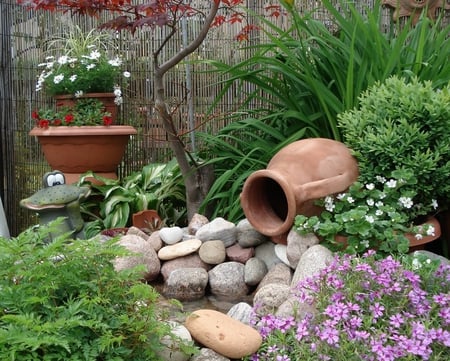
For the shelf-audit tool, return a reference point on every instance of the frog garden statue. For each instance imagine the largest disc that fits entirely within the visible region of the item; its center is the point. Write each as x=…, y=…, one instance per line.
x=58, y=199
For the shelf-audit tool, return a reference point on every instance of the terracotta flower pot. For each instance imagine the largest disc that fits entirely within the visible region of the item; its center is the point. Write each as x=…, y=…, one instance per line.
x=295, y=177
x=76, y=150
x=107, y=99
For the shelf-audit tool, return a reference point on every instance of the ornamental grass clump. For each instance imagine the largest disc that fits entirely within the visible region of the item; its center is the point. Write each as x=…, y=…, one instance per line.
x=366, y=309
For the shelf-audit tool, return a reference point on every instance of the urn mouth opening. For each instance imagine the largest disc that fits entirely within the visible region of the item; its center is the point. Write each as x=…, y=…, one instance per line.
x=267, y=203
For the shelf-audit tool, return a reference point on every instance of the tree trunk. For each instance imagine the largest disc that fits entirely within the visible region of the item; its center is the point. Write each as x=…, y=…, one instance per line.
x=198, y=179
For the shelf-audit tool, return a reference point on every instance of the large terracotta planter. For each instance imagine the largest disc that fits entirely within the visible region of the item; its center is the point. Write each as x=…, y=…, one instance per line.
x=76, y=150
x=107, y=99
x=295, y=177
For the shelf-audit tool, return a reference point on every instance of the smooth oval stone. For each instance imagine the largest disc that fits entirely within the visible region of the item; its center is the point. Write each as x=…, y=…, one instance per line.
x=171, y=235
x=223, y=334
x=179, y=249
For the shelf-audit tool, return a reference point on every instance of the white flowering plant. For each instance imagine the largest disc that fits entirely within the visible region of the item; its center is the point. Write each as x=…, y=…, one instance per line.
x=376, y=215
x=83, y=73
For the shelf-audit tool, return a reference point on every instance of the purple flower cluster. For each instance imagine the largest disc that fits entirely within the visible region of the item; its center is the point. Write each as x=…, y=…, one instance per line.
x=366, y=309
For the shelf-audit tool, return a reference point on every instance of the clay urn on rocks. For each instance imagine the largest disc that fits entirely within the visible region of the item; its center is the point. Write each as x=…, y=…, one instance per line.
x=295, y=177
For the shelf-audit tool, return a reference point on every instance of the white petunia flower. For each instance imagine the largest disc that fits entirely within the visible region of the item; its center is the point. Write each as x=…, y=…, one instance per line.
x=370, y=186
x=370, y=202
x=90, y=66
x=73, y=78
x=78, y=94
x=350, y=200
x=369, y=218
x=126, y=74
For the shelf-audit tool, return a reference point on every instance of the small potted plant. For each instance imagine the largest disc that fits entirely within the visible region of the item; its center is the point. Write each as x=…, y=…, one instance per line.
x=374, y=215
x=78, y=133
x=83, y=68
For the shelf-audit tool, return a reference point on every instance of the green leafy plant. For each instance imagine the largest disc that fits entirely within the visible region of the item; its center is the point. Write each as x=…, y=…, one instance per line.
x=376, y=215
x=91, y=72
x=403, y=124
x=113, y=201
x=365, y=309
x=65, y=301
x=300, y=78
x=87, y=111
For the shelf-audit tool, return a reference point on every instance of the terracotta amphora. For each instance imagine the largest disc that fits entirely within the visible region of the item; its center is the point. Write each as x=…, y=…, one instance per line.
x=295, y=177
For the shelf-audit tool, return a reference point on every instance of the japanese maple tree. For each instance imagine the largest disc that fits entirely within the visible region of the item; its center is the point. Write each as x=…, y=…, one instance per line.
x=129, y=16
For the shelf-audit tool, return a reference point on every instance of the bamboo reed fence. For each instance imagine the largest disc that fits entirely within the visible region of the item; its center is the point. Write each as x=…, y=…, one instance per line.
x=24, y=38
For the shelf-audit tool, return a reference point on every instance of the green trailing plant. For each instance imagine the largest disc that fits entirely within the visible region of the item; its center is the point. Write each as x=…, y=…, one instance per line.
x=65, y=301
x=403, y=124
x=113, y=201
x=300, y=78
x=376, y=215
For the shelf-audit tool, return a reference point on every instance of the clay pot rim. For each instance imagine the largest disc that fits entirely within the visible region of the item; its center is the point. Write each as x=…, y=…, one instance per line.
x=65, y=131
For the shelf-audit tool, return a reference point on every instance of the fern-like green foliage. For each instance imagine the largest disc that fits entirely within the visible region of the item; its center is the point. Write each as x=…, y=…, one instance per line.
x=64, y=301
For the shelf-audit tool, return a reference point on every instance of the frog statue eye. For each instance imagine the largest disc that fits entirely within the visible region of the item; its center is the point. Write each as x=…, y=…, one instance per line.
x=54, y=178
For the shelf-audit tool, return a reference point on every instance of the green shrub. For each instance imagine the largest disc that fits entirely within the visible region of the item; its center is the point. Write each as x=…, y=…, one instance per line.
x=64, y=301
x=403, y=125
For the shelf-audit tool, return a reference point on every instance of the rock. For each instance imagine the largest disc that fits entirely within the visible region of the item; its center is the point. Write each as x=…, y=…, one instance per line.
x=242, y=312
x=266, y=253
x=297, y=244
x=223, y=334
x=254, y=271
x=186, y=284
x=226, y=280
x=270, y=297
x=190, y=261
x=291, y=307
x=432, y=256
x=206, y=354
x=179, y=249
x=313, y=260
x=278, y=274
x=145, y=255
x=196, y=223
x=155, y=241
x=171, y=235
x=238, y=254
x=137, y=232
x=280, y=251
x=247, y=236
x=172, y=350
x=212, y=252
x=220, y=229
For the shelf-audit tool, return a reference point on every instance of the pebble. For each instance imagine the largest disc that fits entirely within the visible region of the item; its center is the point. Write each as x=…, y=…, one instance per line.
x=190, y=261
x=145, y=255
x=171, y=350
x=254, y=271
x=247, y=236
x=223, y=334
x=220, y=229
x=197, y=221
x=280, y=251
x=171, y=235
x=179, y=249
x=226, y=280
x=212, y=252
x=297, y=244
x=239, y=254
x=186, y=284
